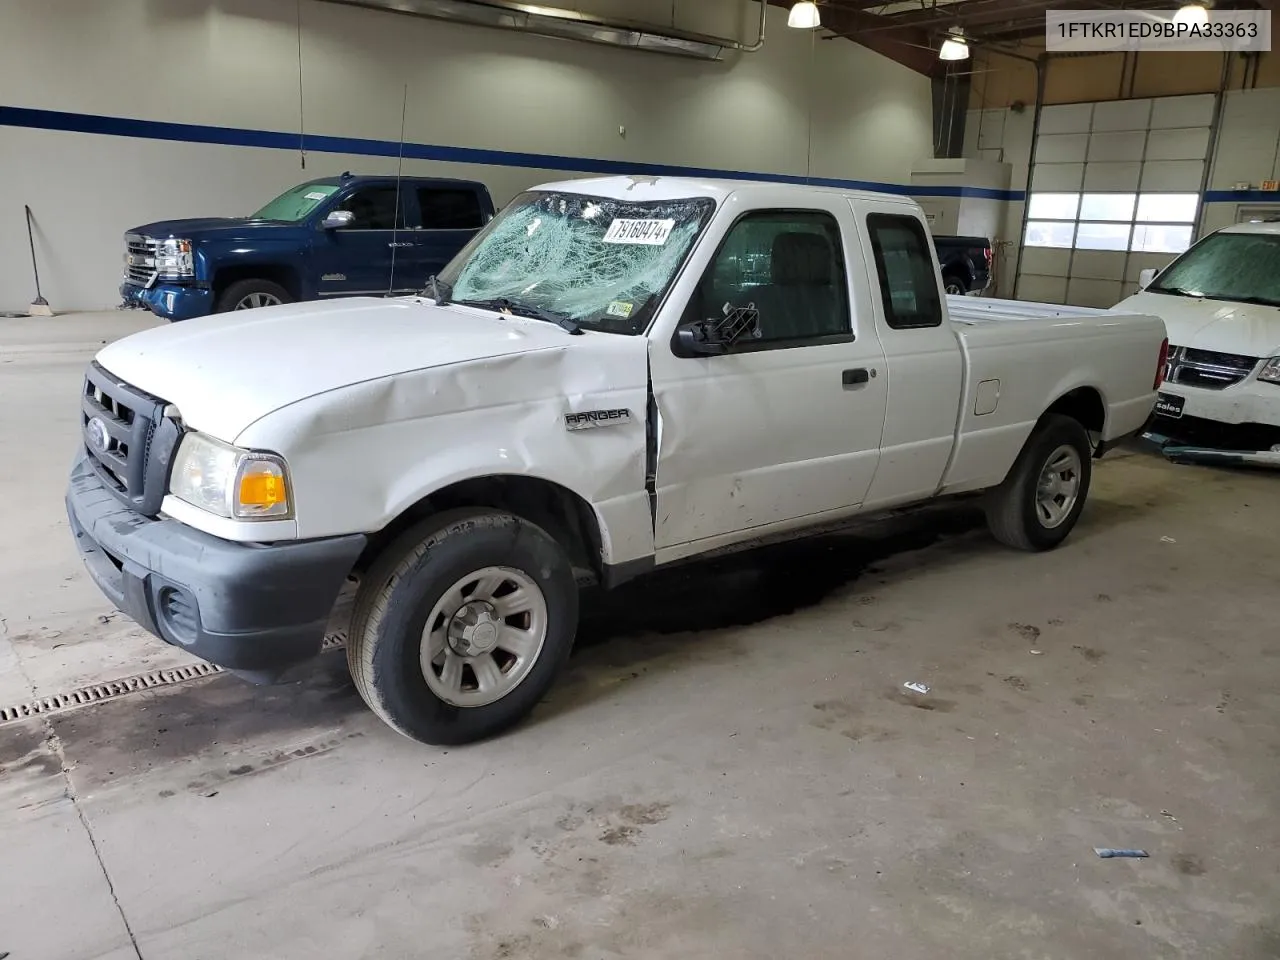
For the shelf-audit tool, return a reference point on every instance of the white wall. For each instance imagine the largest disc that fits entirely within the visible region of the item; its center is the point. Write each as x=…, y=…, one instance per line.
x=234, y=63
x=1248, y=152
x=1004, y=136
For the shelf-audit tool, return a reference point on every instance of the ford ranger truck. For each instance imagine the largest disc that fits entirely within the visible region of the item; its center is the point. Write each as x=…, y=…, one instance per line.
x=336, y=237
x=1221, y=304
x=614, y=375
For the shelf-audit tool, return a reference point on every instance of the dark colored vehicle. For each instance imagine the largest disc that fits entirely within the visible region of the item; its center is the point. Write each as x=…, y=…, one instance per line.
x=965, y=262
x=335, y=237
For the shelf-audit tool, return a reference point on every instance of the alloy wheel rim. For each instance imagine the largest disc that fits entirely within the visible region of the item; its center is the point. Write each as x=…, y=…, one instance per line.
x=254, y=300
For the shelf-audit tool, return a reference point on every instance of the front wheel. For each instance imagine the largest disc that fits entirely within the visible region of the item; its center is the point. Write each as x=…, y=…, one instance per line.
x=251, y=294
x=1040, y=501
x=460, y=629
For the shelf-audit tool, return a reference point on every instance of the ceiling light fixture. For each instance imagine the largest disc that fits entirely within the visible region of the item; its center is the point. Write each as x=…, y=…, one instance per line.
x=955, y=47
x=1192, y=14
x=804, y=16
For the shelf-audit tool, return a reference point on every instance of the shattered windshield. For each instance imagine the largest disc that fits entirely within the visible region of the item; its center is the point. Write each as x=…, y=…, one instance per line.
x=603, y=263
x=1244, y=267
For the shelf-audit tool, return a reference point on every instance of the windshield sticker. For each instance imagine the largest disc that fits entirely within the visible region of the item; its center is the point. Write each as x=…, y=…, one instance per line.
x=563, y=266
x=316, y=195
x=652, y=233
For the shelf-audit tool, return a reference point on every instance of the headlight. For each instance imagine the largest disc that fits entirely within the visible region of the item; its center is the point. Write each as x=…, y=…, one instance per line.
x=1270, y=371
x=173, y=259
x=234, y=483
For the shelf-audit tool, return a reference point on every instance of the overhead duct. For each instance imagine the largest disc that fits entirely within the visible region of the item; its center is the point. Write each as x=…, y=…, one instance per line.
x=570, y=25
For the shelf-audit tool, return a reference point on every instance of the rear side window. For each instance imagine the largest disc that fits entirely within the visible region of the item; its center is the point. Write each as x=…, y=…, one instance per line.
x=449, y=209
x=904, y=264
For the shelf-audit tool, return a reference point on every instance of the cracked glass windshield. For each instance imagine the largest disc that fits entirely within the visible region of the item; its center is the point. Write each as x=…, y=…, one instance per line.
x=1227, y=266
x=604, y=264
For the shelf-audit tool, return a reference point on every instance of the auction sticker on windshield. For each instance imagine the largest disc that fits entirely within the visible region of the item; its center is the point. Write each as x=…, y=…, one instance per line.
x=653, y=233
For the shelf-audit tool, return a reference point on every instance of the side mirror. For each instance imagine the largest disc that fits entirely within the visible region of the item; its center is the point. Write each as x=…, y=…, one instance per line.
x=714, y=336
x=1146, y=276
x=337, y=219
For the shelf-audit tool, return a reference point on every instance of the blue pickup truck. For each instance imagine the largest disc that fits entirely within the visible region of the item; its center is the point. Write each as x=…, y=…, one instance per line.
x=334, y=237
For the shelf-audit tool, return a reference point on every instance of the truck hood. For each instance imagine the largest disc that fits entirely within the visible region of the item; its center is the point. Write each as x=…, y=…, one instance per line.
x=225, y=371
x=1250, y=330
x=208, y=228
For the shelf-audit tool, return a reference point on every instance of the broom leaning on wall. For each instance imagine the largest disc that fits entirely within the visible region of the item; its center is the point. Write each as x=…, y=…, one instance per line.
x=39, y=306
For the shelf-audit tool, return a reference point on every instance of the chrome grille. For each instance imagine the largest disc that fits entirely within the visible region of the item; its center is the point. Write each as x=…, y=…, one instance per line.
x=1207, y=369
x=140, y=259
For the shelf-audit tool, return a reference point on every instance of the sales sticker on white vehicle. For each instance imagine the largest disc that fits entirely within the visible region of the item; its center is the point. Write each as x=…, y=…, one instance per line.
x=1169, y=405
x=620, y=308
x=652, y=233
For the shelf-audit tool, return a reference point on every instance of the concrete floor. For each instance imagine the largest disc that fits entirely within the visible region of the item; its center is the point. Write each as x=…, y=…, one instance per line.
x=730, y=768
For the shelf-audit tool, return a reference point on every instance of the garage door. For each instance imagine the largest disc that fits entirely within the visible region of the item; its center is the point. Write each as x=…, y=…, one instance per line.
x=1115, y=188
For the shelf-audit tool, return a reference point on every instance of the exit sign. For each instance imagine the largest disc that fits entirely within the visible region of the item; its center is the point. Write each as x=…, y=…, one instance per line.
x=1271, y=185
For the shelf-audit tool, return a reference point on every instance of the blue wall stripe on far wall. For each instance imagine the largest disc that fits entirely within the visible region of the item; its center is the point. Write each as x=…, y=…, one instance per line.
x=1241, y=196
x=276, y=140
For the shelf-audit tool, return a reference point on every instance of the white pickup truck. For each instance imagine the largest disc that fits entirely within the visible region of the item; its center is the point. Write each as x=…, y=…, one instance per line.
x=614, y=375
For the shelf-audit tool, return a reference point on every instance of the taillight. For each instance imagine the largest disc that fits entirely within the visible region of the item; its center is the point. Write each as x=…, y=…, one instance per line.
x=988, y=254
x=1164, y=360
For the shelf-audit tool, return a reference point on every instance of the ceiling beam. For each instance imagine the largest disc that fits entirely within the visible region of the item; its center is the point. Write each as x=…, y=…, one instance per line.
x=908, y=46
x=975, y=13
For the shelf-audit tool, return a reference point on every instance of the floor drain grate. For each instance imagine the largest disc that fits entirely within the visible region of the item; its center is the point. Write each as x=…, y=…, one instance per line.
x=113, y=689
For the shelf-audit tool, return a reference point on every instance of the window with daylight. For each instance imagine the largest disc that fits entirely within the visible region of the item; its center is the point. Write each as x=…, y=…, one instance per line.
x=1123, y=222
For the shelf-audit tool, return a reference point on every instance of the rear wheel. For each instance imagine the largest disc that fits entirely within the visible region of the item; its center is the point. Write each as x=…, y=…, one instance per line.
x=955, y=284
x=1040, y=501
x=461, y=627
x=251, y=294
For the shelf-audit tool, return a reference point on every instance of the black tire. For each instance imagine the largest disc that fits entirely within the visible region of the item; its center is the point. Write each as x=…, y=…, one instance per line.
x=1013, y=514
x=242, y=290
x=400, y=592
x=954, y=284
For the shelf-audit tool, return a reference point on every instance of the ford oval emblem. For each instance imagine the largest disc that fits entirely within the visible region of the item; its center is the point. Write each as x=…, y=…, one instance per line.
x=99, y=438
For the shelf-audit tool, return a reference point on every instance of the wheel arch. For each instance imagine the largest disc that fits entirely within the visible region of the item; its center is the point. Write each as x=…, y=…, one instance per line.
x=960, y=269
x=1085, y=405
x=566, y=515
x=285, y=275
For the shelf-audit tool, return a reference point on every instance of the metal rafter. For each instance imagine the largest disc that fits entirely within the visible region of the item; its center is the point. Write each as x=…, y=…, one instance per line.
x=909, y=31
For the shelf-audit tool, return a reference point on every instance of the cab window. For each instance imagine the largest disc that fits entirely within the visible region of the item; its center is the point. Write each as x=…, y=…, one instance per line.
x=904, y=265
x=789, y=265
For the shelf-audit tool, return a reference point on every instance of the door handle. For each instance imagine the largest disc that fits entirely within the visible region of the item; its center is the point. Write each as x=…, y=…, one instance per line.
x=401, y=244
x=856, y=377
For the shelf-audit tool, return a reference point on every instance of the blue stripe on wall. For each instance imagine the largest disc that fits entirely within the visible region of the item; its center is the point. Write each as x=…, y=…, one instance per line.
x=1241, y=196
x=275, y=140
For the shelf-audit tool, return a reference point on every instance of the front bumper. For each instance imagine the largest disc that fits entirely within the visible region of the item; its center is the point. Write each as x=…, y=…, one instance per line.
x=171, y=301
x=1247, y=415
x=1252, y=401
x=254, y=608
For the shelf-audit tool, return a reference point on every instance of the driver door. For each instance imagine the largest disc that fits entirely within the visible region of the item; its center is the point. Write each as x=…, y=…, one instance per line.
x=784, y=429
x=357, y=259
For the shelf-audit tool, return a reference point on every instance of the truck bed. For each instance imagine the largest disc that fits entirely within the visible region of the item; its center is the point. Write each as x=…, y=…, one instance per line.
x=971, y=310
